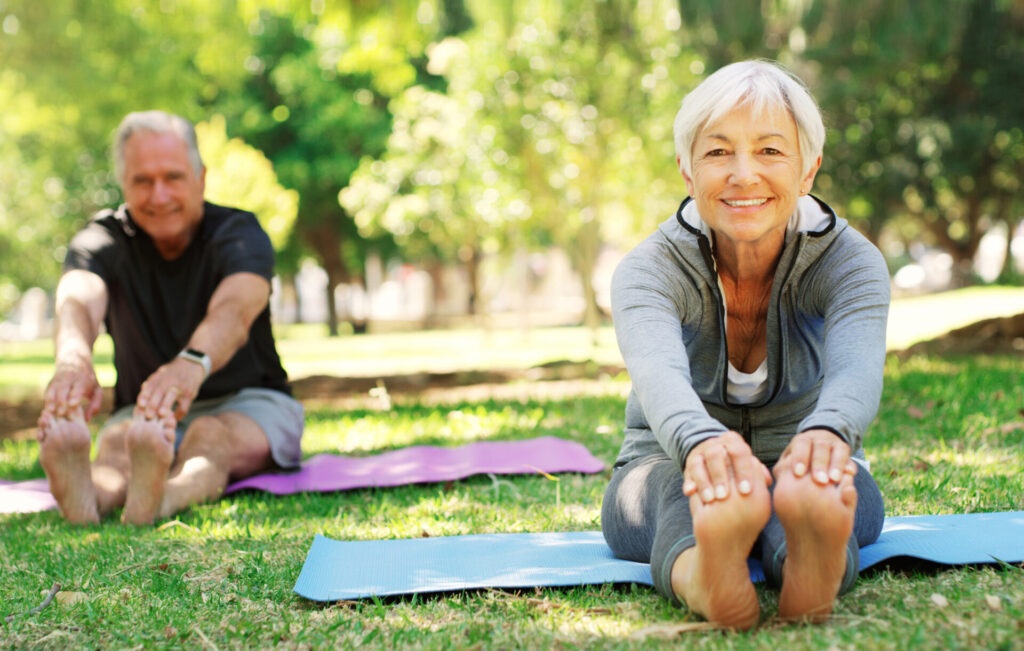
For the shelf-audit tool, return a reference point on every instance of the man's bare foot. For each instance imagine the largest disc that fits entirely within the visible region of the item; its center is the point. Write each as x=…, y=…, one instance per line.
x=64, y=454
x=150, y=446
x=712, y=577
x=818, y=521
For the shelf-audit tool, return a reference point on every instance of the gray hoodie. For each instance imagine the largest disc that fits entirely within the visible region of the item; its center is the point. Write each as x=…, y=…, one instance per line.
x=826, y=338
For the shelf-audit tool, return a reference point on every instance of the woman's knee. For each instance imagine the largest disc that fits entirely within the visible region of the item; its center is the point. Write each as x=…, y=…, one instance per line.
x=870, y=514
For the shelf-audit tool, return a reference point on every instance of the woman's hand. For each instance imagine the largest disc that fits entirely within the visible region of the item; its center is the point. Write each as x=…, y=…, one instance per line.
x=717, y=463
x=820, y=452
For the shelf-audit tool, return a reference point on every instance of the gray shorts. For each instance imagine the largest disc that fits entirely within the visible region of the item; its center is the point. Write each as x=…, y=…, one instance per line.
x=278, y=414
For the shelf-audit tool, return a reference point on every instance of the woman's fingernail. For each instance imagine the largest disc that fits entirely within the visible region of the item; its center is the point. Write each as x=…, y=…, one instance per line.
x=720, y=492
x=835, y=474
x=689, y=487
x=821, y=477
x=707, y=495
x=799, y=469
x=744, y=486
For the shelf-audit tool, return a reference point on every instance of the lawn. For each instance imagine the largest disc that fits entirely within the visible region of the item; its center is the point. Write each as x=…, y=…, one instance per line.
x=949, y=438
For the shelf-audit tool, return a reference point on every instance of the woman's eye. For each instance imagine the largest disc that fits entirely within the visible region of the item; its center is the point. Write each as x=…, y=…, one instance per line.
x=771, y=151
x=715, y=152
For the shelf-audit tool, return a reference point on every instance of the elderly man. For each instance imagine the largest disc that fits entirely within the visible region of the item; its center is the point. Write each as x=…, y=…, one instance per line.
x=182, y=286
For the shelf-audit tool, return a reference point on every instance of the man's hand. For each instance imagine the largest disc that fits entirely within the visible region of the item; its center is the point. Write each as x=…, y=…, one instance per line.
x=170, y=390
x=73, y=386
x=81, y=304
x=820, y=452
x=713, y=464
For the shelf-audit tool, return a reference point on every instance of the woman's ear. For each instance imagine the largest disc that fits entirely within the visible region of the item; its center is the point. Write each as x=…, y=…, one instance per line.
x=687, y=179
x=808, y=181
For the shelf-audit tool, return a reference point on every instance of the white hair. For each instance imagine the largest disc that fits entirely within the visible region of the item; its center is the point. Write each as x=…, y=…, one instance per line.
x=762, y=85
x=156, y=122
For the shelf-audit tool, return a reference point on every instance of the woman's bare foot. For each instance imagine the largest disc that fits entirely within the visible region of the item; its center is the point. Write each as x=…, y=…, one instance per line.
x=64, y=454
x=150, y=446
x=818, y=521
x=712, y=577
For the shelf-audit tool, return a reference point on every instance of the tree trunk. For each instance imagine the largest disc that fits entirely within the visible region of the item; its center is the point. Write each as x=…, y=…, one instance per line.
x=1008, y=274
x=471, y=257
x=327, y=243
x=290, y=289
x=962, y=250
x=588, y=243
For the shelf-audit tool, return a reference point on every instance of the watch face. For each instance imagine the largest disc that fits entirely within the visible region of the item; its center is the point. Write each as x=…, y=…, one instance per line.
x=194, y=353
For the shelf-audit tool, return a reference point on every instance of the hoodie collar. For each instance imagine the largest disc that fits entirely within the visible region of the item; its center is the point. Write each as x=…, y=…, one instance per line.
x=812, y=216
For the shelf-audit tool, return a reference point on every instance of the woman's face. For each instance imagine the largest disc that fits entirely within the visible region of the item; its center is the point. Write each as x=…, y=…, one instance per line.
x=747, y=175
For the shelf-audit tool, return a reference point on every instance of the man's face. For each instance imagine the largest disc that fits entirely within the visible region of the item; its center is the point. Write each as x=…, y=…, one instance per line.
x=163, y=192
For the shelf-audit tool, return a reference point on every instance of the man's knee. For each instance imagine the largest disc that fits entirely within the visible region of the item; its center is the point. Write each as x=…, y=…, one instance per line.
x=111, y=442
x=207, y=433
x=230, y=439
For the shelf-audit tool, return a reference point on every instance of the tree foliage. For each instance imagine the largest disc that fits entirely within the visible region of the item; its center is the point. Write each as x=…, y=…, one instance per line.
x=926, y=116
x=70, y=71
x=467, y=127
x=241, y=176
x=315, y=101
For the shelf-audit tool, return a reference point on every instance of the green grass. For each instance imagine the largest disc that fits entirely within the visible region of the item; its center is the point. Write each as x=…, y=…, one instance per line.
x=944, y=442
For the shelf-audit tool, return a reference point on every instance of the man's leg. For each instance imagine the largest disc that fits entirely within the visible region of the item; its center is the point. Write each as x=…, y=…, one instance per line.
x=64, y=454
x=228, y=445
x=150, y=450
x=110, y=469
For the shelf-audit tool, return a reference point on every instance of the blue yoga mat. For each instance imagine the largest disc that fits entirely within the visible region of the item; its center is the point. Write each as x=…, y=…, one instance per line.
x=956, y=539
x=358, y=569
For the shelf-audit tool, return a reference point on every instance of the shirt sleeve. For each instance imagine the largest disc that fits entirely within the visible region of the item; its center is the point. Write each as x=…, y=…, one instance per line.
x=851, y=288
x=243, y=246
x=649, y=299
x=92, y=249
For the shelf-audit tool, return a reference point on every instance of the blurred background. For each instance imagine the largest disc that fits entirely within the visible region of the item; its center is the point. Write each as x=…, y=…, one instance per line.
x=436, y=163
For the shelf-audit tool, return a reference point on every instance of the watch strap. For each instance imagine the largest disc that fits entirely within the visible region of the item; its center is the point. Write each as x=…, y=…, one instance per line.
x=198, y=357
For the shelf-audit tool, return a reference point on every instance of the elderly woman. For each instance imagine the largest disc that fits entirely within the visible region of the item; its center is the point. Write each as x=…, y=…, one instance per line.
x=752, y=323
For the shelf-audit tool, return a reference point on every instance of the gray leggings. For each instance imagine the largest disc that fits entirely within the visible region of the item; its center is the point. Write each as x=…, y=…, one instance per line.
x=646, y=518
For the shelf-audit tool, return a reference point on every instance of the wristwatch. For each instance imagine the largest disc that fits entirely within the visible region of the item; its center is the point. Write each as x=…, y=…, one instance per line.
x=199, y=357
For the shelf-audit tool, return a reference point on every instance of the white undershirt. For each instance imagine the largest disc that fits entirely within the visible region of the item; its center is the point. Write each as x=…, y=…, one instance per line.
x=747, y=388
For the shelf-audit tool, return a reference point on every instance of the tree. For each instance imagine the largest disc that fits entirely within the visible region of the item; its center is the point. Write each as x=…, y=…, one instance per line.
x=926, y=122
x=70, y=71
x=316, y=103
x=530, y=147
x=436, y=190
x=239, y=175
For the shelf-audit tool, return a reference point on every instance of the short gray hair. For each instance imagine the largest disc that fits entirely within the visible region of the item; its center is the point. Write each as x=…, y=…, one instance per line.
x=155, y=122
x=760, y=84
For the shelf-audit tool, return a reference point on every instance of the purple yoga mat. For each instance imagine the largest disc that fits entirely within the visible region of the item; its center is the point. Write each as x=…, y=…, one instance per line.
x=413, y=465
x=424, y=463
x=26, y=496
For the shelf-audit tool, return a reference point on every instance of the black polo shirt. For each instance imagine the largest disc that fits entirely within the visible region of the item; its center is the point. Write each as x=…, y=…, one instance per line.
x=156, y=304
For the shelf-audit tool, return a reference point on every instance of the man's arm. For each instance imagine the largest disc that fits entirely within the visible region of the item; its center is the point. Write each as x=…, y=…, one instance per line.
x=80, y=306
x=235, y=304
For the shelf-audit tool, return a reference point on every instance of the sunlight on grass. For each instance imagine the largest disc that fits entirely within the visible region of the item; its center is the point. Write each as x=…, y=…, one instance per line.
x=924, y=317
x=442, y=351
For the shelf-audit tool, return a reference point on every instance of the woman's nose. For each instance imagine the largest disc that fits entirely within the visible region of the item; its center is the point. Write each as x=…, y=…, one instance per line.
x=743, y=169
